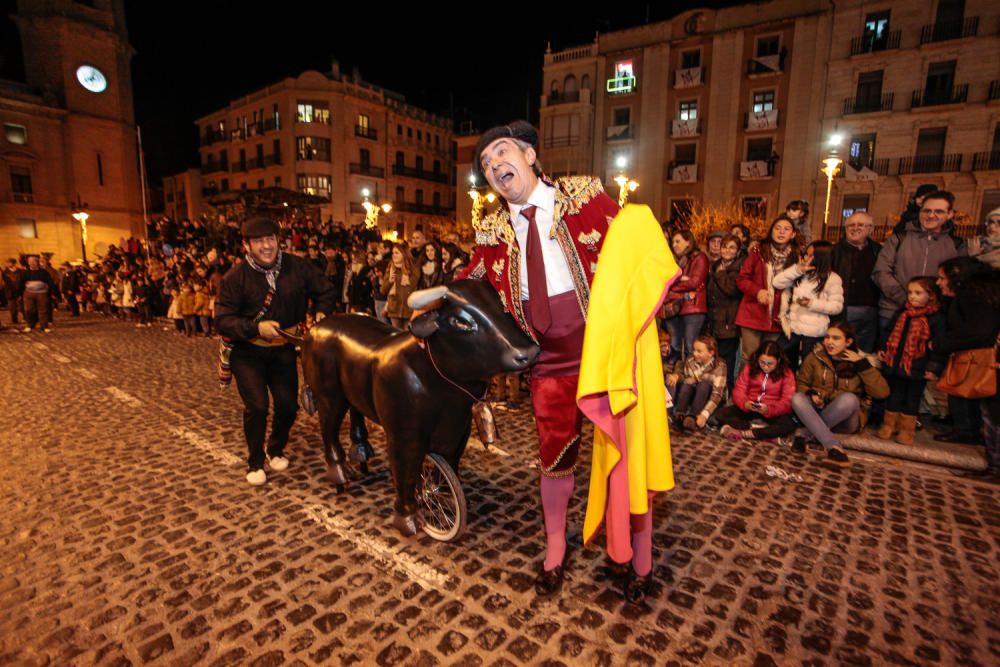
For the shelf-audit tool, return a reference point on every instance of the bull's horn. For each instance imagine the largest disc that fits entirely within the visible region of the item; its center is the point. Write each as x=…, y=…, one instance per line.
x=425, y=297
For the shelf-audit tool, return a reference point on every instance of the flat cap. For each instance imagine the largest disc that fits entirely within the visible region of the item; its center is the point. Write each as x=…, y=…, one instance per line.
x=257, y=227
x=521, y=130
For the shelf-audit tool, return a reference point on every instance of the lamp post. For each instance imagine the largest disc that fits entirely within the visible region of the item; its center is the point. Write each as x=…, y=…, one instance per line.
x=80, y=215
x=626, y=186
x=831, y=165
x=479, y=201
x=372, y=210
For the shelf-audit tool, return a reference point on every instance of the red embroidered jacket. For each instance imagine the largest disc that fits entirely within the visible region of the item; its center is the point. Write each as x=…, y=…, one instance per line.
x=582, y=214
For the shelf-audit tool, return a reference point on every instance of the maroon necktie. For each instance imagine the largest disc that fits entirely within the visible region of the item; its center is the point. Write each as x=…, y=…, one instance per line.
x=538, y=292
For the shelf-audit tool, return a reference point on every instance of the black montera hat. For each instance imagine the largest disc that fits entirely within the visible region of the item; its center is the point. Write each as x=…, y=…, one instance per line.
x=257, y=227
x=521, y=130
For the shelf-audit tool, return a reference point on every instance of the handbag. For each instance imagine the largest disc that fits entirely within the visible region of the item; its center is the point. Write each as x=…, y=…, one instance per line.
x=970, y=374
x=671, y=308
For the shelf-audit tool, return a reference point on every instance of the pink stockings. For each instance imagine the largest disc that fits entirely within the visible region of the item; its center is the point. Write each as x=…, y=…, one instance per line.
x=556, y=492
x=642, y=540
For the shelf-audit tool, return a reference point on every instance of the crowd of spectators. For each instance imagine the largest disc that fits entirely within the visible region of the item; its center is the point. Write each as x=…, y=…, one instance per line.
x=764, y=337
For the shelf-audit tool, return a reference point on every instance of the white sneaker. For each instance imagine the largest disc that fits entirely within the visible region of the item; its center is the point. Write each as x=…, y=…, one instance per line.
x=139, y=326
x=47, y=330
x=256, y=477
x=278, y=463
x=26, y=330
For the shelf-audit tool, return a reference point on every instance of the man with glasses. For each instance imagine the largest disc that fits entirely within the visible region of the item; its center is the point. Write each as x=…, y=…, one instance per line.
x=917, y=251
x=854, y=259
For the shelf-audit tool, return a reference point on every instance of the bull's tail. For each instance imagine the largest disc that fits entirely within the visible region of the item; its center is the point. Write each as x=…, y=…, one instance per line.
x=295, y=340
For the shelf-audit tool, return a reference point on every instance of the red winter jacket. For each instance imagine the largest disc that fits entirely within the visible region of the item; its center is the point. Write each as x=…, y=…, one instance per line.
x=777, y=392
x=752, y=279
x=694, y=290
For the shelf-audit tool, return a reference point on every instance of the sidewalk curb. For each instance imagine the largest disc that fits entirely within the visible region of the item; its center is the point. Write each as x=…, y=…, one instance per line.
x=964, y=457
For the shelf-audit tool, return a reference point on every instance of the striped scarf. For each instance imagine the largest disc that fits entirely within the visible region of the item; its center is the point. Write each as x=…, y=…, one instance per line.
x=915, y=345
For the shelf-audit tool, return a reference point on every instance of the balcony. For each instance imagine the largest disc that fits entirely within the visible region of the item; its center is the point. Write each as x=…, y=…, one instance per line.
x=23, y=197
x=212, y=137
x=684, y=128
x=561, y=141
x=426, y=209
x=986, y=161
x=619, y=132
x=767, y=65
x=413, y=172
x=689, y=77
x=358, y=207
x=941, y=32
x=212, y=166
x=756, y=170
x=930, y=164
x=754, y=121
x=683, y=173
x=366, y=132
x=933, y=98
x=994, y=93
x=366, y=170
x=271, y=160
x=854, y=105
x=569, y=97
x=869, y=43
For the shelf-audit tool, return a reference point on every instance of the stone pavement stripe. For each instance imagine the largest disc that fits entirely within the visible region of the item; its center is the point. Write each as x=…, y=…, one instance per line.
x=41, y=346
x=90, y=375
x=373, y=546
x=62, y=359
x=124, y=396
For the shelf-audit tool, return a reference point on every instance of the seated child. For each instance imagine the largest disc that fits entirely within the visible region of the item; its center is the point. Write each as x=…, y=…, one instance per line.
x=698, y=386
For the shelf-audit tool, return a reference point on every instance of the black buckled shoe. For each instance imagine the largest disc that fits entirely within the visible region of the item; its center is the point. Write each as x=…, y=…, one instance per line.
x=549, y=581
x=637, y=587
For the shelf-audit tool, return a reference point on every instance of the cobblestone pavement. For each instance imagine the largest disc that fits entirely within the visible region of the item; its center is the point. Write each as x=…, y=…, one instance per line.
x=131, y=537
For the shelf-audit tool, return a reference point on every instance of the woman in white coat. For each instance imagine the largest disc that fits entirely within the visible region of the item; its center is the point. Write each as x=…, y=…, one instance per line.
x=812, y=293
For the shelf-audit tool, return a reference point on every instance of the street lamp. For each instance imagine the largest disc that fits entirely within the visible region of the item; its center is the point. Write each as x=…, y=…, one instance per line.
x=626, y=185
x=80, y=215
x=372, y=210
x=479, y=201
x=831, y=165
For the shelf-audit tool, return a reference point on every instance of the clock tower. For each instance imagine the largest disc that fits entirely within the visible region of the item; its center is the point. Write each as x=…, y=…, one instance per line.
x=77, y=65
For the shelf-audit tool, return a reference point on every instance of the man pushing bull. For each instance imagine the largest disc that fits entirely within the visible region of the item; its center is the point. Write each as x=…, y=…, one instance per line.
x=539, y=251
x=267, y=292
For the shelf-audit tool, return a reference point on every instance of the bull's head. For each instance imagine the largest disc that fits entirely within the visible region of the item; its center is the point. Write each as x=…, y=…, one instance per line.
x=471, y=332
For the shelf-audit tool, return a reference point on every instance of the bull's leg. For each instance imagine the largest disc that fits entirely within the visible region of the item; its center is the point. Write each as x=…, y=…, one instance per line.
x=407, y=464
x=361, y=449
x=337, y=468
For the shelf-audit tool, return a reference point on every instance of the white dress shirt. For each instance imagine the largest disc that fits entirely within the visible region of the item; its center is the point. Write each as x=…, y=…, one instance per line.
x=557, y=276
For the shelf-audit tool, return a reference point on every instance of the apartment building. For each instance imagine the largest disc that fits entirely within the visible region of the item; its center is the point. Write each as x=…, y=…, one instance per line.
x=336, y=137
x=740, y=105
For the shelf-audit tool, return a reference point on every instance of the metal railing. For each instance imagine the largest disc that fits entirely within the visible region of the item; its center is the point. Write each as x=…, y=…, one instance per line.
x=929, y=164
x=994, y=93
x=834, y=232
x=213, y=166
x=755, y=67
x=985, y=161
x=940, y=32
x=426, y=209
x=561, y=142
x=930, y=98
x=366, y=132
x=212, y=136
x=366, y=170
x=870, y=43
x=413, y=172
x=868, y=104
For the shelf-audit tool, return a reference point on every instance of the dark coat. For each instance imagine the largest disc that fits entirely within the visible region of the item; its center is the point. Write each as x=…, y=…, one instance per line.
x=855, y=266
x=724, y=297
x=932, y=361
x=692, y=290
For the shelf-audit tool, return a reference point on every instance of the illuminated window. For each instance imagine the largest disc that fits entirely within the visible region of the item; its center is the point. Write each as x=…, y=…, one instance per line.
x=763, y=100
x=16, y=134
x=313, y=112
x=689, y=110
x=27, y=228
x=624, y=79
x=312, y=148
x=314, y=184
x=854, y=204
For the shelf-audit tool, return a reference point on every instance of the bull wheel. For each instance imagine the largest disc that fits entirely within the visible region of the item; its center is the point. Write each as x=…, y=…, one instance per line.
x=441, y=502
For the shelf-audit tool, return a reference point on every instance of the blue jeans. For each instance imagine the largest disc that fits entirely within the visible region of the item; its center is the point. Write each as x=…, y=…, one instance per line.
x=865, y=321
x=842, y=413
x=690, y=399
x=683, y=330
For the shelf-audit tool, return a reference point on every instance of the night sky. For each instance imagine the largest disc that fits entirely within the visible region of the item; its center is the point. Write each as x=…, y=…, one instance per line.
x=194, y=57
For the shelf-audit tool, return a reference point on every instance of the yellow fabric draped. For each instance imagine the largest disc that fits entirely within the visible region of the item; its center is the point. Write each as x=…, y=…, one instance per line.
x=621, y=377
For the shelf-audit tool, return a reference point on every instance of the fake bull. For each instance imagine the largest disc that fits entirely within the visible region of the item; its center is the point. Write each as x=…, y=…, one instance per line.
x=419, y=385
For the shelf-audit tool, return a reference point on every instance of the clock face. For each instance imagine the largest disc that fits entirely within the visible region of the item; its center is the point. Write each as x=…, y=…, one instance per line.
x=91, y=78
